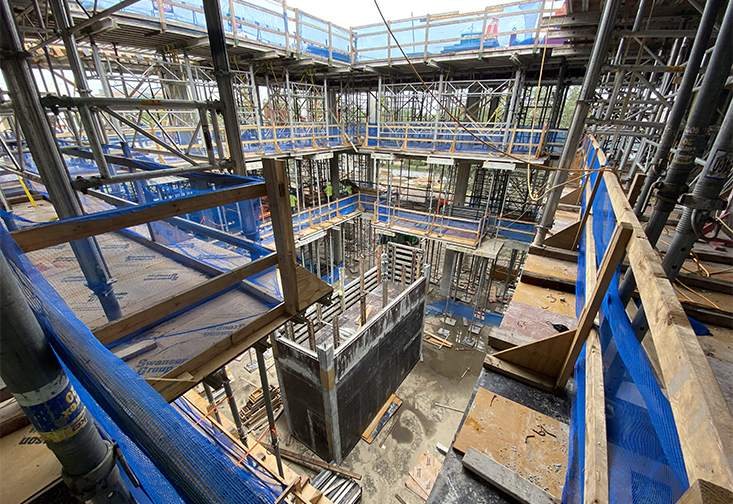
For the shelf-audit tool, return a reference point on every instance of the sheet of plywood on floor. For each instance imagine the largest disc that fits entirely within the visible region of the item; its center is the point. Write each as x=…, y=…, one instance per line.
x=531, y=444
x=534, y=322
x=537, y=296
x=563, y=219
x=551, y=267
x=703, y=297
x=26, y=466
x=421, y=478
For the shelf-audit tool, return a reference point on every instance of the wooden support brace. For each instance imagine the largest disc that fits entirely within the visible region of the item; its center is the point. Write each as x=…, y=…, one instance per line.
x=612, y=257
x=113, y=331
x=56, y=233
x=596, y=443
x=276, y=182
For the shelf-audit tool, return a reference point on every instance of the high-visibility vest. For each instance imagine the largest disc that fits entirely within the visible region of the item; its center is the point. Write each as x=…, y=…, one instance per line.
x=329, y=190
x=293, y=201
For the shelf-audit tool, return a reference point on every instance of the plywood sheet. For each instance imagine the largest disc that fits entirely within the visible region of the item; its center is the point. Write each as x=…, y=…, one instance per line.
x=532, y=321
x=422, y=477
x=533, y=445
x=550, y=300
x=26, y=466
x=551, y=267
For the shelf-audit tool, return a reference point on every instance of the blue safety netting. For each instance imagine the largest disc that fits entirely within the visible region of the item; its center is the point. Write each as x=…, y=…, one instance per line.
x=463, y=310
x=447, y=137
x=186, y=461
x=645, y=462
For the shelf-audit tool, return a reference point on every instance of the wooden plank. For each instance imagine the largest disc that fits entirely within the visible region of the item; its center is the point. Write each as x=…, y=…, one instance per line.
x=505, y=479
x=297, y=457
x=310, y=287
x=501, y=339
x=564, y=238
x=276, y=181
x=704, y=492
x=369, y=434
x=114, y=330
x=521, y=374
x=12, y=418
x=221, y=353
x=56, y=233
x=616, y=250
x=596, y=443
x=704, y=421
x=533, y=445
x=636, y=186
x=545, y=356
x=573, y=197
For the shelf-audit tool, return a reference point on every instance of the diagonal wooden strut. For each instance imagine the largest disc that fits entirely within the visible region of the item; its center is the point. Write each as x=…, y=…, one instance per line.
x=551, y=360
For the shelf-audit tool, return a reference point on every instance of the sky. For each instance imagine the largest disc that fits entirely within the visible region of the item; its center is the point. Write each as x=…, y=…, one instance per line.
x=348, y=13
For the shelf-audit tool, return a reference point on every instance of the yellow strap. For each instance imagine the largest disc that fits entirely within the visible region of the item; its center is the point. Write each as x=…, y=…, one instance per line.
x=27, y=192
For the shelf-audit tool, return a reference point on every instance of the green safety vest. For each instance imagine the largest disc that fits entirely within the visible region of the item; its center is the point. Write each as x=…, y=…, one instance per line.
x=293, y=200
x=329, y=191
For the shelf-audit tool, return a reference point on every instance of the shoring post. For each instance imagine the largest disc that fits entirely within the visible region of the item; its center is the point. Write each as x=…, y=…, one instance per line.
x=700, y=205
x=212, y=403
x=694, y=140
x=28, y=110
x=33, y=374
x=225, y=84
x=233, y=405
x=658, y=164
x=582, y=106
x=268, y=407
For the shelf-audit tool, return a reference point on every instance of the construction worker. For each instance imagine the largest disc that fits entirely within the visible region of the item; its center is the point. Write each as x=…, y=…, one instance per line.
x=293, y=201
x=329, y=191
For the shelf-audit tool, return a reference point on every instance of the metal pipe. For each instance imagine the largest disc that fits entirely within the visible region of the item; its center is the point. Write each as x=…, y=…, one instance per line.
x=223, y=74
x=703, y=201
x=91, y=126
x=27, y=108
x=582, y=106
x=682, y=100
x=233, y=406
x=33, y=374
x=268, y=406
x=212, y=403
x=697, y=131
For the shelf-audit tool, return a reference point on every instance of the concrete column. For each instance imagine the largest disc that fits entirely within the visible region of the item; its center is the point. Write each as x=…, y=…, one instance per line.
x=336, y=233
x=449, y=265
x=464, y=170
x=330, y=406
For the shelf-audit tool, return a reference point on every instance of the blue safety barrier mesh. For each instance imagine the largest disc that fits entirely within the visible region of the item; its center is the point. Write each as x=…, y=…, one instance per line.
x=645, y=462
x=195, y=467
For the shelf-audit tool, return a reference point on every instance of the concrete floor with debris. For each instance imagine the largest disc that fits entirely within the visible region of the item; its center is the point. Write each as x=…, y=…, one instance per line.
x=444, y=377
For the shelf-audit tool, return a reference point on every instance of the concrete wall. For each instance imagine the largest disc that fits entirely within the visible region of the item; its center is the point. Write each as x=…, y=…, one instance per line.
x=370, y=367
x=331, y=398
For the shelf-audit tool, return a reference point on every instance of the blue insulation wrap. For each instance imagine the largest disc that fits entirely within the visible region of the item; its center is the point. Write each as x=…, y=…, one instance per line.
x=196, y=468
x=645, y=462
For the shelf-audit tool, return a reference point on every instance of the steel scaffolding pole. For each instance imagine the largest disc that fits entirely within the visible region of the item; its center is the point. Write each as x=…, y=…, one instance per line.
x=91, y=126
x=700, y=204
x=225, y=84
x=582, y=106
x=27, y=108
x=682, y=100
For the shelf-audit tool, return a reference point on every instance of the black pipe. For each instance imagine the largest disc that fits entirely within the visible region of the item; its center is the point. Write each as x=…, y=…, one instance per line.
x=33, y=374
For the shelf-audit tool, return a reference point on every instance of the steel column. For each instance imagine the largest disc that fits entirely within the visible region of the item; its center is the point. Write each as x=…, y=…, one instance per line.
x=223, y=74
x=582, y=106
